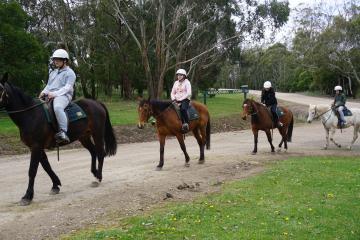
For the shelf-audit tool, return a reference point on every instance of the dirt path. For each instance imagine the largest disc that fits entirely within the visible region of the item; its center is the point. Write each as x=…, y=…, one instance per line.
x=130, y=183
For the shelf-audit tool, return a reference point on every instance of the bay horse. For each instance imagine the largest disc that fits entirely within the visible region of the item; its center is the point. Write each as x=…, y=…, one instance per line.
x=168, y=123
x=330, y=122
x=261, y=119
x=95, y=133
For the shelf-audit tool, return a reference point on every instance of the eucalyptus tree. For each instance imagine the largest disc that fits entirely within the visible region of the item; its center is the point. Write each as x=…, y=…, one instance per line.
x=196, y=35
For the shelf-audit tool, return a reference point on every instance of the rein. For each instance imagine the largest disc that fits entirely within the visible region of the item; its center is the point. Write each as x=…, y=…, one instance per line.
x=22, y=110
x=316, y=117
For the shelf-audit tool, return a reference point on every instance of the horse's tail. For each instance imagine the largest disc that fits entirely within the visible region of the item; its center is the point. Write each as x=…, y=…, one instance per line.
x=290, y=129
x=110, y=139
x=208, y=132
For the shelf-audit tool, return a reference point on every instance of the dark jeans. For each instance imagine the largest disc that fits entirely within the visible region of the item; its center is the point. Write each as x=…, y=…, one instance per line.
x=273, y=111
x=183, y=110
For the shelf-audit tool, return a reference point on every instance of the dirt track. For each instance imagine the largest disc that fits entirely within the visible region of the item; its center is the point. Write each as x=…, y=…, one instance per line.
x=130, y=182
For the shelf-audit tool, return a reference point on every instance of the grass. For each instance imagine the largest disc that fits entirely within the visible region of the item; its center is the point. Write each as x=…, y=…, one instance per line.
x=125, y=112
x=301, y=198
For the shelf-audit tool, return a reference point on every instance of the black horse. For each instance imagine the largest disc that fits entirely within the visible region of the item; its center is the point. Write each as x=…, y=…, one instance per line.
x=38, y=134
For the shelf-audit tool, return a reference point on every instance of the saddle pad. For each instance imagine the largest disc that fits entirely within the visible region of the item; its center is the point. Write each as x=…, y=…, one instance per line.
x=279, y=112
x=74, y=112
x=192, y=112
x=347, y=112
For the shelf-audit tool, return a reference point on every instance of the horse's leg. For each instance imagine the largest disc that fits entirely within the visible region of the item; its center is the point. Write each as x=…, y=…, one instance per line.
x=162, y=146
x=100, y=152
x=54, y=178
x=356, y=132
x=34, y=164
x=201, y=142
x=86, y=142
x=180, y=139
x=326, y=137
x=332, y=132
x=268, y=134
x=256, y=133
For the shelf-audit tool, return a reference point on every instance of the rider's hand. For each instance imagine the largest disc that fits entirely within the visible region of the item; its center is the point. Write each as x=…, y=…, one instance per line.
x=51, y=95
x=41, y=95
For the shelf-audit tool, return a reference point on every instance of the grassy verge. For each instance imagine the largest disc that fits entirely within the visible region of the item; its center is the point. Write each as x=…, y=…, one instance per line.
x=302, y=198
x=125, y=112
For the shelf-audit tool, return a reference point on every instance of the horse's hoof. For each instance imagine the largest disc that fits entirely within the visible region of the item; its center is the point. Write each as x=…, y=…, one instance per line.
x=95, y=184
x=201, y=161
x=278, y=150
x=54, y=191
x=158, y=168
x=325, y=148
x=253, y=153
x=187, y=165
x=339, y=146
x=24, y=202
x=349, y=147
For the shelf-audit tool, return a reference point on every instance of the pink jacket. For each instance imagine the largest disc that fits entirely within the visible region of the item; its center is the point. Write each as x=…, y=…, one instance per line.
x=181, y=90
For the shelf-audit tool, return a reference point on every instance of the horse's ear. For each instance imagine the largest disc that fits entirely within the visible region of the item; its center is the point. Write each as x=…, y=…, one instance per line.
x=5, y=78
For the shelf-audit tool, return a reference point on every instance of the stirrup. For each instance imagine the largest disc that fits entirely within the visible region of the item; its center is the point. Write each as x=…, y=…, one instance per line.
x=280, y=124
x=185, y=128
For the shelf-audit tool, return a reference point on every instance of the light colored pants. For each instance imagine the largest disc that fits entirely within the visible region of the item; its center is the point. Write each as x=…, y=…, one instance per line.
x=340, y=110
x=60, y=103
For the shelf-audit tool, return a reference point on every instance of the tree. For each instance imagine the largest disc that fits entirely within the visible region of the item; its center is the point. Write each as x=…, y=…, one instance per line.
x=21, y=54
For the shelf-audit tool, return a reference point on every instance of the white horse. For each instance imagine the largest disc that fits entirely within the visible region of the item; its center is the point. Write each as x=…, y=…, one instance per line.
x=330, y=121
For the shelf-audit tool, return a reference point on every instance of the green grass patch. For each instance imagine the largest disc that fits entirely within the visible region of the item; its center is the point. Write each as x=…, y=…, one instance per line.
x=301, y=198
x=125, y=112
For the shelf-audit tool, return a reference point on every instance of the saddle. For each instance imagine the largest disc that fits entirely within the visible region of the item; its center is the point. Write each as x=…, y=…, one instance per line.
x=192, y=112
x=73, y=112
x=346, y=112
x=279, y=112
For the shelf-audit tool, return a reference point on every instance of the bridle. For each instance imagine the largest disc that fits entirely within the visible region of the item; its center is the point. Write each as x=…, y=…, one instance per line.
x=5, y=95
x=251, y=114
x=149, y=112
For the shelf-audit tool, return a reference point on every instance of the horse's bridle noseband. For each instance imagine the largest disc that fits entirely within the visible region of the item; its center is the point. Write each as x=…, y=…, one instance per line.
x=251, y=114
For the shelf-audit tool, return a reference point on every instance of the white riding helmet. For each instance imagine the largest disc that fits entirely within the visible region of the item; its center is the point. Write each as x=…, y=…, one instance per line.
x=338, y=88
x=267, y=84
x=181, y=71
x=60, y=53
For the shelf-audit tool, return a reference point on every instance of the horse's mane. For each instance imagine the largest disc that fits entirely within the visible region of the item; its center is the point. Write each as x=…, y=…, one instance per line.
x=20, y=95
x=322, y=107
x=161, y=105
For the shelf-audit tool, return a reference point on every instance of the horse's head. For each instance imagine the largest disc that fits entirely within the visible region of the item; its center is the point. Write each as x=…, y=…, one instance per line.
x=4, y=96
x=312, y=113
x=248, y=108
x=144, y=111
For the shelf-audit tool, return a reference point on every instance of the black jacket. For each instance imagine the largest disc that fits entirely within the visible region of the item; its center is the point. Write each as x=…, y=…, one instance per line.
x=268, y=97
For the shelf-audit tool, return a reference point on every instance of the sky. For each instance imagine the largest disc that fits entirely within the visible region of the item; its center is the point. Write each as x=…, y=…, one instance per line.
x=286, y=32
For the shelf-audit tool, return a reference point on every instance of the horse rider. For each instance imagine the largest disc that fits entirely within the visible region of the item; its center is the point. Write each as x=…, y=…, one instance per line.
x=339, y=103
x=60, y=88
x=181, y=94
x=268, y=98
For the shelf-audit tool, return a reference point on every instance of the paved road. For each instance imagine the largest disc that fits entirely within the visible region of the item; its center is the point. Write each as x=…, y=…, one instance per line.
x=302, y=99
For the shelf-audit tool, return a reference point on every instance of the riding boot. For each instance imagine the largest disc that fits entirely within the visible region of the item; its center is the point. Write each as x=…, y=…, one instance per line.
x=276, y=120
x=61, y=137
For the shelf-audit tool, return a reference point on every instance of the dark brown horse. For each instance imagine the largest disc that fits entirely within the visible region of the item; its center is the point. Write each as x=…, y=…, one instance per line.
x=261, y=119
x=94, y=132
x=168, y=123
